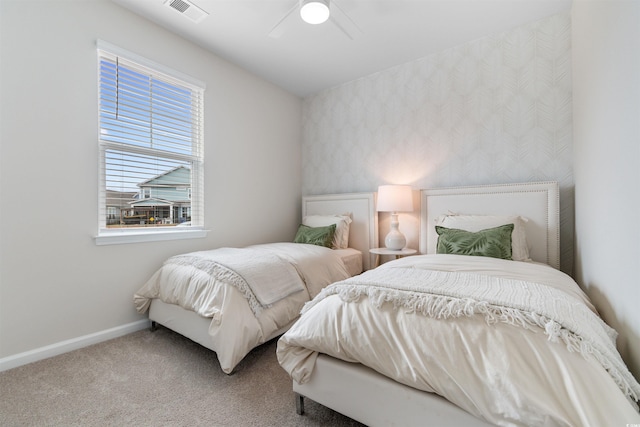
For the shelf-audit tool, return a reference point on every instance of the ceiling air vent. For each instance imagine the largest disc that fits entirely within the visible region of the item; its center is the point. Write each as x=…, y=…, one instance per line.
x=188, y=9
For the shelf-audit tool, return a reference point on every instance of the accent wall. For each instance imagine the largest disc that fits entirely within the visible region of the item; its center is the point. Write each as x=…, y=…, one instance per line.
x=491, y=111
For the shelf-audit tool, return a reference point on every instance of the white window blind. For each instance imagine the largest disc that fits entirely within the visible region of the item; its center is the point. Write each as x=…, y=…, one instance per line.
x=151, y=146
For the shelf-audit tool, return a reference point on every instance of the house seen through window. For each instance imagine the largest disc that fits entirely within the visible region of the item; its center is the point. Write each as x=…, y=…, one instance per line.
x=151, y=136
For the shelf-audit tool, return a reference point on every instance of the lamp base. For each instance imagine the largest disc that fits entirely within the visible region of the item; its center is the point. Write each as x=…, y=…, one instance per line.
x=395, y=240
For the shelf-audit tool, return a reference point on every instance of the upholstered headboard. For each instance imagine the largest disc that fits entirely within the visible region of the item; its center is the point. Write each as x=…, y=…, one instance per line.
x=536, y=201
x=363, y=232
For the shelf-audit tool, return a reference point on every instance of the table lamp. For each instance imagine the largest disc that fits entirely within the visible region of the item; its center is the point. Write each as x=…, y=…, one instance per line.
x=394, y=199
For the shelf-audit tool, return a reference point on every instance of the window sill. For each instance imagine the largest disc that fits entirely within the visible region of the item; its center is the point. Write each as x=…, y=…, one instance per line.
x=124, y=237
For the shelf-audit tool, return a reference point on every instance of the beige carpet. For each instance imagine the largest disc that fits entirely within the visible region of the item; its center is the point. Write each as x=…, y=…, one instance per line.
x=154, y=379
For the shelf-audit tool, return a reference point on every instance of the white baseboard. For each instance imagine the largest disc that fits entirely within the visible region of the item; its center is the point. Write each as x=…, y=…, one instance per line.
x=70, y=345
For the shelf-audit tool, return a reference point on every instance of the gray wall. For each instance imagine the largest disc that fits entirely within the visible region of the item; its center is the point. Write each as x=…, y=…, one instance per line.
x=495, y=110
x=55, y=283
x=606, y=58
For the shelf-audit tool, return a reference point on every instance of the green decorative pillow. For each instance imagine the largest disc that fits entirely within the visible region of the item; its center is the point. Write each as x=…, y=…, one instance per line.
x=491, y=242
x=321, y=236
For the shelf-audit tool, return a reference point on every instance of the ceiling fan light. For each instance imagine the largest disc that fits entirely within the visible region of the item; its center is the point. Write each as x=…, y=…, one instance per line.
x=314, y=11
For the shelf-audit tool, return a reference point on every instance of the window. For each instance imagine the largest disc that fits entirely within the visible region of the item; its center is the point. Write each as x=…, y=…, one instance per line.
x=151, y=154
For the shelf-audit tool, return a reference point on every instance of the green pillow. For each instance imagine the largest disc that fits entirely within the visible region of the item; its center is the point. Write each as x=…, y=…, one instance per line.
x=321, y=236
x=491, y=242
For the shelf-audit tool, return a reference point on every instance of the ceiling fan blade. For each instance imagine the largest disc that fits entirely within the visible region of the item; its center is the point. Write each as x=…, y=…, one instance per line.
x=343, y=22
x=278, y=30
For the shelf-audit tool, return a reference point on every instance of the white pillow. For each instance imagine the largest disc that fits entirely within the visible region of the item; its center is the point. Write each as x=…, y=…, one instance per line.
x=342, y=222
x=474, y=223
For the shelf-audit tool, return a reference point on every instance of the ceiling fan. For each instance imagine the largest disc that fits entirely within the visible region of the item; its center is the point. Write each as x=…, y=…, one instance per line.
x=316, y=12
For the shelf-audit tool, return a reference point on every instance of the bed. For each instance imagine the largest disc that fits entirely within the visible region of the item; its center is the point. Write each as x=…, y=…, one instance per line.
x=459, y=339
x=218, y=298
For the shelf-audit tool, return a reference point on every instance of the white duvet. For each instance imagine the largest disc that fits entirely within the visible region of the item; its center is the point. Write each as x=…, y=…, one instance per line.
x=211, y=284
x=511, y=342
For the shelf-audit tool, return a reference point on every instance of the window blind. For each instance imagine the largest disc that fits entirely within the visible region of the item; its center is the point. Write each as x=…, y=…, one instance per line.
x=151, y=145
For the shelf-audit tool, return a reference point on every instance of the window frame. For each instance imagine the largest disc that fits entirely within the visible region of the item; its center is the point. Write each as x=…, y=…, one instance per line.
x=107, y=236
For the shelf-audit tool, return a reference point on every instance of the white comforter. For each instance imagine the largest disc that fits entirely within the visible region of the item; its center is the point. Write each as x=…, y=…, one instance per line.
x=247, y=305
x=511, y=342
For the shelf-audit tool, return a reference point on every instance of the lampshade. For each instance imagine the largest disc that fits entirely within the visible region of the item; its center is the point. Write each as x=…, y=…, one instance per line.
x=395, y=198
x=314, y=11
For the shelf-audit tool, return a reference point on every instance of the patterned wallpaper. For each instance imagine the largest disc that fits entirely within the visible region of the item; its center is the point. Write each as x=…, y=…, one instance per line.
x=494, y=110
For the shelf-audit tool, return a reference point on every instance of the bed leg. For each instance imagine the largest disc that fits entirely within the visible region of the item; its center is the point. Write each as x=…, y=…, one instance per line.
x=154, y=326
x=299, y=404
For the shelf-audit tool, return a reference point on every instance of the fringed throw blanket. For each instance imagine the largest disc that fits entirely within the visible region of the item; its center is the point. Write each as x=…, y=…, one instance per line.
x=445, y=294
x=263, y=277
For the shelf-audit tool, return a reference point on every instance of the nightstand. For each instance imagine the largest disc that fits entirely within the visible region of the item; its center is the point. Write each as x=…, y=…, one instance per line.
x=385, y=251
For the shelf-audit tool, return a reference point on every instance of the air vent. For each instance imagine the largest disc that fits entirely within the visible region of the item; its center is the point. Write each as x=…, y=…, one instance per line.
x=188, y=9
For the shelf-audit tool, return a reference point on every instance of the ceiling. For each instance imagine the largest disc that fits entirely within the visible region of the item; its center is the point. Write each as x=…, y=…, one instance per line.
x=305, y=59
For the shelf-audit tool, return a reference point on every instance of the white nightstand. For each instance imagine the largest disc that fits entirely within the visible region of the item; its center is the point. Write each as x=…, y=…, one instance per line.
x=385, y=251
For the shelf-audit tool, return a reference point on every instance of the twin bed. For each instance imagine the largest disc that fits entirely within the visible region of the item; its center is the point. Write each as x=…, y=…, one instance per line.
x=465, y=340
x=445, y=339
x=220, y=298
